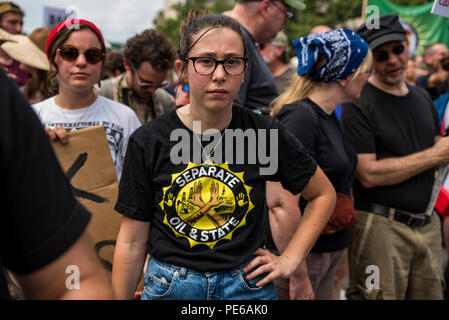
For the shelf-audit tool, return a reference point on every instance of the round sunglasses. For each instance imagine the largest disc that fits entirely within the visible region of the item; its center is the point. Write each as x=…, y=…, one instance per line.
x=382, y=56
x=71, y=53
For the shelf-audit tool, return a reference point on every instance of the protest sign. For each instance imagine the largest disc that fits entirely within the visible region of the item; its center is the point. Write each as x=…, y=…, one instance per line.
x=88, y=165
x=441, y=8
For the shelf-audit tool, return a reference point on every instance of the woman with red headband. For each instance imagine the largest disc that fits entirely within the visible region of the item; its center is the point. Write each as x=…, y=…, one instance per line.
x=76, y=51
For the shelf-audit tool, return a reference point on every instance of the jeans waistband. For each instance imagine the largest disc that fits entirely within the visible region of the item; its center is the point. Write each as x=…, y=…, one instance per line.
x=183, y=270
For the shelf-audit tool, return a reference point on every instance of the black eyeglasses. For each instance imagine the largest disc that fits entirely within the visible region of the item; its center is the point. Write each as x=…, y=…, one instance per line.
x=149, y=85
x=288, y=14
x=206, y=65
x=71, y=53
x=382, y=56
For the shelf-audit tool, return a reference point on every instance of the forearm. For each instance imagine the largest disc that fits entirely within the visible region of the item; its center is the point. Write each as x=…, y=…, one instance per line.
x=314, y=219
x=88, y=277
x=437, y=78
x=284, y=214
x=392, y=171
x=128, y=264
x=283, y=226
x=300, y=287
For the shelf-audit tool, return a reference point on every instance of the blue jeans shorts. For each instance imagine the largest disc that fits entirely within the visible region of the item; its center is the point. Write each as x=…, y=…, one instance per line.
x=169, y=282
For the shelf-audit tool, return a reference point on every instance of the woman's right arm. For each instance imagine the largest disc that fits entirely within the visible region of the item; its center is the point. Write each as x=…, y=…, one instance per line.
x=129, y=257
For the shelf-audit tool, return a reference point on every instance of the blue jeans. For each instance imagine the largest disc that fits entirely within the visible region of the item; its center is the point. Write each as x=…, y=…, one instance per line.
x=169, y=282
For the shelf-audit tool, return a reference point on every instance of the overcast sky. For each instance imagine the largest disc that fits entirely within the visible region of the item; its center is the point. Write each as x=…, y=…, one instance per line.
x=117, y=19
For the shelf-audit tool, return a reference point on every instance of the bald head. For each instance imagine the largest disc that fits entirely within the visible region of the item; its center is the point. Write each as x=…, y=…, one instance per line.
x=433, y=54
x=320, y=29
x=263, y=19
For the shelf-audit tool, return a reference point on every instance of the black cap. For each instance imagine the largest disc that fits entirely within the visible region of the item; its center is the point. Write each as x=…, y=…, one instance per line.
x=390, y=30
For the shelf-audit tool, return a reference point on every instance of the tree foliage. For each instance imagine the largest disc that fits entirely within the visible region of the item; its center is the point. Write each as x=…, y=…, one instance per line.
x=170, y=27
x=327, y=12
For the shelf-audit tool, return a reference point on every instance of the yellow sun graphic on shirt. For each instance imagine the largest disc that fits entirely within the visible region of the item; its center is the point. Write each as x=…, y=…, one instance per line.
x=206, y=203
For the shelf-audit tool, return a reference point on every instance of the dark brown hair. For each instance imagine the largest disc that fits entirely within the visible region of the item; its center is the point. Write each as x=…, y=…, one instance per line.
x=153, y=47
x=197, y=22
x=37, y=83
x=114, y=61
x=57, y=43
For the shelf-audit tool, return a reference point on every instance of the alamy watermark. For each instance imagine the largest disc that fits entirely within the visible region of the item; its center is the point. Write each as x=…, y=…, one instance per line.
x=73, y=280
x=249, y=147
x=373, y=280
x=74, y=12
x=373, y=17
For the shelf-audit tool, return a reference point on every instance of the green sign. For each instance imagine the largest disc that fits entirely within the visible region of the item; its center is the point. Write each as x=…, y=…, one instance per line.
x=423, y=28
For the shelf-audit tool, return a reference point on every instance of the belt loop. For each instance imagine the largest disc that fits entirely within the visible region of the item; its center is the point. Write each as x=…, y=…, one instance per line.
x=391, y=215
x=182, y=273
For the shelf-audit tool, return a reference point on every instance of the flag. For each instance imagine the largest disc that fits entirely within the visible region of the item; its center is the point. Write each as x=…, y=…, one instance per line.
x=423, y=28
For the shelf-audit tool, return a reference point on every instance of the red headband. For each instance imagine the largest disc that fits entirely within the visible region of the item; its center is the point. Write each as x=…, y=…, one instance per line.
x=74, y=22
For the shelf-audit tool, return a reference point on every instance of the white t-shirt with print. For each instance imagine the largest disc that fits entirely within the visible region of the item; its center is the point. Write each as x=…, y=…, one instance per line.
x=118, y=120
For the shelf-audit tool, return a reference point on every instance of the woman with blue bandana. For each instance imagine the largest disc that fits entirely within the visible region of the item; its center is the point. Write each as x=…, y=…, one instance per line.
x=333, y=67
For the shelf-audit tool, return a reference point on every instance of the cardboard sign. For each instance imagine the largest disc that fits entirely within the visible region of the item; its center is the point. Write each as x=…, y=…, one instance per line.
x=87, y=162
x=441, y=8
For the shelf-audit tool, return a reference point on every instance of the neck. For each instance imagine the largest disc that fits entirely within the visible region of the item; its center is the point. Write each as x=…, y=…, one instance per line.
x=209, y=120
x=247, y=20
x=75, y=100
x=399, y=89
x=327, y=97
x=128, y=78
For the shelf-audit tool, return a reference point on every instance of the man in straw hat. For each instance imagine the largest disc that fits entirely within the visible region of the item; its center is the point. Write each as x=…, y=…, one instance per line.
x=396, y=250
x=11, y=21
x=29, y=51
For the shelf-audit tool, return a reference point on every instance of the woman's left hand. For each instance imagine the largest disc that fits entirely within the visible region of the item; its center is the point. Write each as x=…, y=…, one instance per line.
x=274, y=266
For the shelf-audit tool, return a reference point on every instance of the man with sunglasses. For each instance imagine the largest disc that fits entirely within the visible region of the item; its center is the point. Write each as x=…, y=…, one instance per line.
x=395, y=252
x=147, y=59
x=261, y=20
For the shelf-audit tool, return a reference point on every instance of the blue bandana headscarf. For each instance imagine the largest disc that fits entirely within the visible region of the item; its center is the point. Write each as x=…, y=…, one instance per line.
x=343, y=49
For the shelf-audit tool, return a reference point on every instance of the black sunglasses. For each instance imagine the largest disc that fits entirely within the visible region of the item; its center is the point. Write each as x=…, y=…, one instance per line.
x=383, y=55
x=149, y=85
x=71, y=53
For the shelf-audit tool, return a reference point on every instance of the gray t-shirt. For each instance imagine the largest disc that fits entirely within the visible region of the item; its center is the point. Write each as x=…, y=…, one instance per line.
x=259, y=88
x=283, y=80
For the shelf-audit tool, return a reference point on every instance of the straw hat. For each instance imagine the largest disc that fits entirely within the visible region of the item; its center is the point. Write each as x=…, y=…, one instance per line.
x=8, y=6
x=29, y=50
x=5, y=36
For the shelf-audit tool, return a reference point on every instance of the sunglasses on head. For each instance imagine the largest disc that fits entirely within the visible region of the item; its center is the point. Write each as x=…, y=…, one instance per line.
x=383, y=55
x=71, y=53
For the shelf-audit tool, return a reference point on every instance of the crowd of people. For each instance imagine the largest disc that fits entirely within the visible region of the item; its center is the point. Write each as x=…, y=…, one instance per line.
x=359, y=136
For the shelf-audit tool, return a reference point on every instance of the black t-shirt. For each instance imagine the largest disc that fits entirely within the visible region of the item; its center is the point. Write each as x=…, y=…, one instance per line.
x=423, y=82
x=40, y=218
x=214, y=217
x=393, y=126
x=321, y=135
x=259, y=88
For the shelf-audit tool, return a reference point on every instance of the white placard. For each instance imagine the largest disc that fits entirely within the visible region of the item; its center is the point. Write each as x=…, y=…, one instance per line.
x=54, y=16
x=441, y=8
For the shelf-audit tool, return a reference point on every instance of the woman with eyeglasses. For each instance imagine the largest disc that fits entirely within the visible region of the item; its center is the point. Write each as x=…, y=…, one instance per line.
x=333, y=67
x=76, y=51
x=191, y=198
